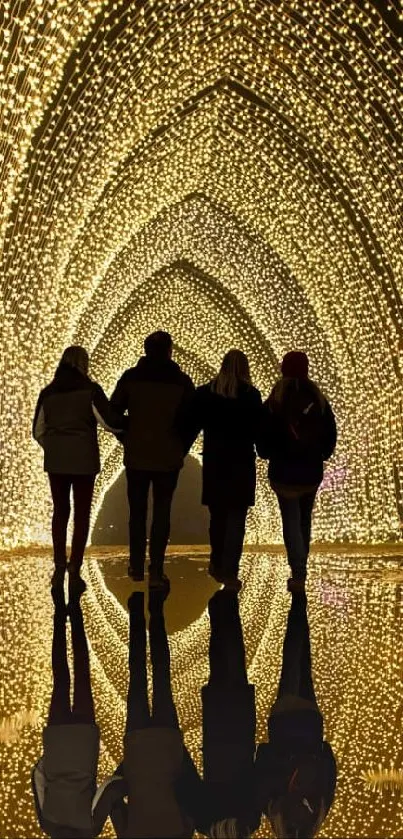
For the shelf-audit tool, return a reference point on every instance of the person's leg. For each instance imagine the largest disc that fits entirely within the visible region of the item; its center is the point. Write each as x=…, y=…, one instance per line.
x=138, y=483
x=164, y=484
x=293, y=537
x=234, y=535
x=60, y=486
x=226, y=648
x=83, y=703
x=306, y=504
x=83, y=489
x=306, y=686
x=138, y=713
x=163, y=709
x=217, y=533
x=59, y=709
x=293, y=648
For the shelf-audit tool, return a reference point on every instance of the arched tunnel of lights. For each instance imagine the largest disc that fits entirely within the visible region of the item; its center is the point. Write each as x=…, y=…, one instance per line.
x=227, y=170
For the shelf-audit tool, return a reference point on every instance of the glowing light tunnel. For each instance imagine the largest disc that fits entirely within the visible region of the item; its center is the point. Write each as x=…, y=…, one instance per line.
x=229, y=170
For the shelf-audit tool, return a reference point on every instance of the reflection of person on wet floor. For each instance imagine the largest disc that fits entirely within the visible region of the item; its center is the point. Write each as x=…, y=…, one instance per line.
x=153, y=744
x=296, y=769
x=64, y=779
x=229, y=726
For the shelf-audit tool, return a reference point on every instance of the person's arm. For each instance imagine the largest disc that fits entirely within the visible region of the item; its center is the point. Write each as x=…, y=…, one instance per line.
x=330, y=432
x=38, y=425
x=264, y=431
x=38, y=782
x=189, y=790
x=189, y=419
x=120, y=817
x=272, y=773
x=119, y=399
x=109, y=800
x=107, y=416
x=256, y=418
x=330, y=775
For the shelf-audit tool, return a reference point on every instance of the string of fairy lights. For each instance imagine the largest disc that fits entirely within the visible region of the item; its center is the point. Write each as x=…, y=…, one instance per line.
x=354, y=618
x=161, y=161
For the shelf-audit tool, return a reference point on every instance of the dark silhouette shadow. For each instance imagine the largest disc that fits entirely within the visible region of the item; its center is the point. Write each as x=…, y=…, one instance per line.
x=229, y=728
x=64, y=779
x=155, y=760
x=189, y=519
x=296, y=769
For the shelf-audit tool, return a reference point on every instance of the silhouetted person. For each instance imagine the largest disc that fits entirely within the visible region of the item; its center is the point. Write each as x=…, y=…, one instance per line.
x=296, y=769
x=228, y=410
x=65, y=425
x=152, y=393
x=300, y=433
x=229, y=726
x=154, y=754
x=64, y=779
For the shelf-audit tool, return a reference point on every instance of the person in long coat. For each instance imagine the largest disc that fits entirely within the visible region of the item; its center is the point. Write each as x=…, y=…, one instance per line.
x=296, y=770
x=229, y=728
x=228, y=410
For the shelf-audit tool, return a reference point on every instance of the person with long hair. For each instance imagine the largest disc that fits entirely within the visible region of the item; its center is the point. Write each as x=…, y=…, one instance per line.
x=65, y=425
x=296, y=770
x=229, y=728
x=228, y=410
x=299, y=434
x=64, y=779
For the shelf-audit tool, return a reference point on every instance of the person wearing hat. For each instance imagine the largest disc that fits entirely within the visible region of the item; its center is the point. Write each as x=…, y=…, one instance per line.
x=296, y=770
x=299, y=434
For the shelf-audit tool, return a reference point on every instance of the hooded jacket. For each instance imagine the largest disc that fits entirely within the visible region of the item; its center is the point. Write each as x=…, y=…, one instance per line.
x=152, y=393
x=288, y=466
x=65, y=422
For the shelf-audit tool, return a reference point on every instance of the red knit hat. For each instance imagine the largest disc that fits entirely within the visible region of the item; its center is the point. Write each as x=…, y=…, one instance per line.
x=295, y=365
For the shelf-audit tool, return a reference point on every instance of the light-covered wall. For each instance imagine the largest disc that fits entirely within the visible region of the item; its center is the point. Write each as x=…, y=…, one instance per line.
x=229, y=171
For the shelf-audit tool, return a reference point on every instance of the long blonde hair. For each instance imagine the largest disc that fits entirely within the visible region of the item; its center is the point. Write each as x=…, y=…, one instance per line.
x=234, y=371
x=277, y=823
x=228, y=829
x=77, y=357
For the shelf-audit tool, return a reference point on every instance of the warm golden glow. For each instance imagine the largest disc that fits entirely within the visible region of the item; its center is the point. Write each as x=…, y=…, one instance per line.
x=229, y=170
x=355, y=617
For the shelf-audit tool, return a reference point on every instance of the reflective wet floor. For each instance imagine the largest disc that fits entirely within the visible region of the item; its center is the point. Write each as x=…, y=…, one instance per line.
x=355, y=618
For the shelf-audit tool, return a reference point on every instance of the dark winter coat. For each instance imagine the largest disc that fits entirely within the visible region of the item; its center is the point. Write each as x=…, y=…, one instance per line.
x=230, y=431
x=288, y=466
x=65, y=422
x=295, y=743
x=149, y=777
x=152, y=393
x=229, y=731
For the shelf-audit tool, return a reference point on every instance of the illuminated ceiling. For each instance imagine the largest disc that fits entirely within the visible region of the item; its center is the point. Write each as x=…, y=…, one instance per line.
x=230, y=171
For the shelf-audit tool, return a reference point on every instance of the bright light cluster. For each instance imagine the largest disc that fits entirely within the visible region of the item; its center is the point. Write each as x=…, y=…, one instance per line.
x=230, y=171
x=354, y=620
